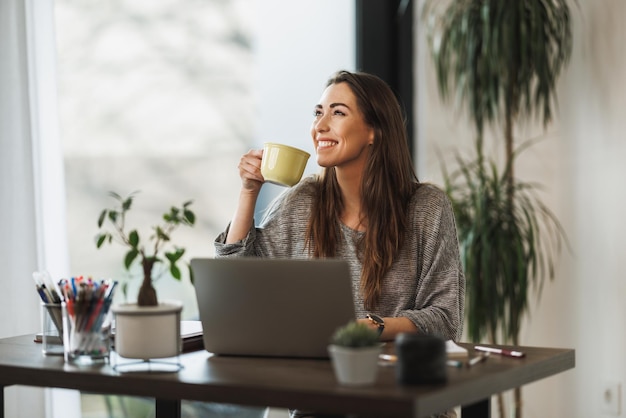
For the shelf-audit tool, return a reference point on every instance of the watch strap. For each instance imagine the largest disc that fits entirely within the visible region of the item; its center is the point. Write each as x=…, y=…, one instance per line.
x=378, y=321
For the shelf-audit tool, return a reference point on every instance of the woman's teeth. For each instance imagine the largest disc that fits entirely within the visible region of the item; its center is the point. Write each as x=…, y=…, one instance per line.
x=326, y=144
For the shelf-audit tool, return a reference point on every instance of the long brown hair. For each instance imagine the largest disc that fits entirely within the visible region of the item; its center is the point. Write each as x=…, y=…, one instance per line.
x=388, y=184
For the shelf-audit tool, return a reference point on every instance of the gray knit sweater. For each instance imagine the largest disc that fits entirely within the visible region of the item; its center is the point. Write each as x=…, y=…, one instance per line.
x=426, y=282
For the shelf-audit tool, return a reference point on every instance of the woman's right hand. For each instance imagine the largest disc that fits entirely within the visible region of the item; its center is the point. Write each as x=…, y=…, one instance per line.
x=251, y=182
x=250, y=170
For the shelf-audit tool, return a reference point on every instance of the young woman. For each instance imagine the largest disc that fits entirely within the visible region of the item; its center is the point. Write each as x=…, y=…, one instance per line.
x=366, y=207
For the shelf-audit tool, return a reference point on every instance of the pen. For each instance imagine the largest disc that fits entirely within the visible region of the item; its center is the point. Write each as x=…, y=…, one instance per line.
x=51, y=287
x=391, y=358
x=42, y=294
x=454, y=363
x=388, y=357
x=478, y=359
x=508, y=353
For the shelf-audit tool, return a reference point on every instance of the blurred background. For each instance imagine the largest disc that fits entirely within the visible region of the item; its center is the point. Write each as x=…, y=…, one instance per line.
x=164, y=97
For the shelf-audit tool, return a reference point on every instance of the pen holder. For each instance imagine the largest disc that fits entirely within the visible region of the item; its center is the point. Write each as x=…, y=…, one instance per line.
x=421, y=359
x=51, y=329
x=86, y=334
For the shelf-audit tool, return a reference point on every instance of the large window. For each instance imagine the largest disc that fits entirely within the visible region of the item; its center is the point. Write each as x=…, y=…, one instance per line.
x=165, y=96
x=156, y=97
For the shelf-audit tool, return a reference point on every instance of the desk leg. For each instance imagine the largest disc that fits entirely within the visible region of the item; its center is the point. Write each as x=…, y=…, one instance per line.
x=480, y=409
x=2, y=401
x=166, y=408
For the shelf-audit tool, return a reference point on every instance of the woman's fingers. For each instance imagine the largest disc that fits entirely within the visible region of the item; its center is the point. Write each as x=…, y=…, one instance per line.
x=250, y=170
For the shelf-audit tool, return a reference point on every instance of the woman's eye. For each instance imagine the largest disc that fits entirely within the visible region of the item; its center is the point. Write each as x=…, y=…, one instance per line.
x=317, y=112
x=339, y=113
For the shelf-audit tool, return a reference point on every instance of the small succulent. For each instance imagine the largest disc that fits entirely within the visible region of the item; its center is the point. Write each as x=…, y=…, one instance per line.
x=355, y=334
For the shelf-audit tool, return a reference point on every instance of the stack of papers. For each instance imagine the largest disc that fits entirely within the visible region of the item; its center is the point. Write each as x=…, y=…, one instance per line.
x=191, y=335
x=455, y=351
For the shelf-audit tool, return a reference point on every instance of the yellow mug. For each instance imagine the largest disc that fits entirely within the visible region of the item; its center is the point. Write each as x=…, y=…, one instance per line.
x=282, y=164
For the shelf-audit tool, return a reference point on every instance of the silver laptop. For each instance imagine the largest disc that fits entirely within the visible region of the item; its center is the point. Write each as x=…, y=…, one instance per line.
x=271, y=307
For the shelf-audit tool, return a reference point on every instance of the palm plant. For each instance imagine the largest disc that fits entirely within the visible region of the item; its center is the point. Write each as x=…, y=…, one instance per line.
x=506, y=245
x=502, y=59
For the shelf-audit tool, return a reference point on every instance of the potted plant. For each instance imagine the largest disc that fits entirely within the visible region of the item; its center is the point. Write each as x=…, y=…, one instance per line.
x=146, y=329
x=502, y=59
x=354, y=351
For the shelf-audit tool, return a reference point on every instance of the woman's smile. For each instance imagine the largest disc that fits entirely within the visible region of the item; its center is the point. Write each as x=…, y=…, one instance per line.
x=324, y=143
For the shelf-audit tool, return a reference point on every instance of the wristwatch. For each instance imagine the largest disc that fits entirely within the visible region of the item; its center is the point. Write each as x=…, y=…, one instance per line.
x=378, y=321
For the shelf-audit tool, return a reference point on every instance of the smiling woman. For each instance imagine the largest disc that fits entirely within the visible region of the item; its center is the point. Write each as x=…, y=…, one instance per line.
x=366, y=207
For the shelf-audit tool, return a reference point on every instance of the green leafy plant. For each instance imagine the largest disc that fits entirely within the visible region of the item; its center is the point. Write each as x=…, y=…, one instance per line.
x=157, y=249
x=502, y=60
x=505, y=246
x=355, y=334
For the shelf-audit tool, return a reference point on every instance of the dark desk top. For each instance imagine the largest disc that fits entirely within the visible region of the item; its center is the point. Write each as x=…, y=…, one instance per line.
x=286, y=383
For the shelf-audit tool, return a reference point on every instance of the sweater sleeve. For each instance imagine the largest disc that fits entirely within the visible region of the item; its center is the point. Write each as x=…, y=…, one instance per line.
x=440, y=293
x=282, y=231
x=243, y=248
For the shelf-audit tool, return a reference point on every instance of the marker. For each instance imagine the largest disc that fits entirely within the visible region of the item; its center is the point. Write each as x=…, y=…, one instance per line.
x=503, y=352
x=454, y=363
x=478, y=359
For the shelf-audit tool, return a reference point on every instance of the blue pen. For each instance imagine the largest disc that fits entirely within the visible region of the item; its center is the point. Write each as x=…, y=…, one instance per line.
x=49, y=296
x=109, y=294
x=42, y=294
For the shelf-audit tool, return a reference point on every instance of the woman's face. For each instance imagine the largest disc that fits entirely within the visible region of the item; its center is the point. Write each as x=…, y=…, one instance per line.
x=340, y=135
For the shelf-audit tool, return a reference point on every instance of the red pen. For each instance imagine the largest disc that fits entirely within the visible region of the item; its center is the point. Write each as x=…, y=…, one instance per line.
x=508, y=353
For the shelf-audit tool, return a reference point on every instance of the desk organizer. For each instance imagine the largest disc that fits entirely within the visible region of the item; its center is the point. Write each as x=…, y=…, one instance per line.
x=87, y=320
x=51, y=329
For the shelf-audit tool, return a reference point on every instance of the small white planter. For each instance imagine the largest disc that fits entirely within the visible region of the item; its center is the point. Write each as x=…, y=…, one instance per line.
x=355, y=366
x=148, y=332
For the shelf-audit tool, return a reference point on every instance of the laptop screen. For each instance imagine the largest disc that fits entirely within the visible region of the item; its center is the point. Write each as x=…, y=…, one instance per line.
x=271, y=307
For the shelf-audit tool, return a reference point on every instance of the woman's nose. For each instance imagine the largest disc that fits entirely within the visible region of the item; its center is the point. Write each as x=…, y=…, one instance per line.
x=321, y=124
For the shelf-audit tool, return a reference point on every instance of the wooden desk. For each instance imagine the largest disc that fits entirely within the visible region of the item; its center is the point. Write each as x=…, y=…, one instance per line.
x=284, y=383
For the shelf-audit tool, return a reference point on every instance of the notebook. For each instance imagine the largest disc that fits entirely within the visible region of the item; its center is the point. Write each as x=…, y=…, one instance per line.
x=271, y=307
x=455, y=351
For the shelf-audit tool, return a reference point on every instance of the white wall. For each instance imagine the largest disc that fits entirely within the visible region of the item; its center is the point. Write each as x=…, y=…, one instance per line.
x=593, y=104
x=580, y=164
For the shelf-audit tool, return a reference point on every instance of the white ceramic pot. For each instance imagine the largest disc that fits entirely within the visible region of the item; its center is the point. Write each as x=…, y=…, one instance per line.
x=148, y=332
x=355, y=366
